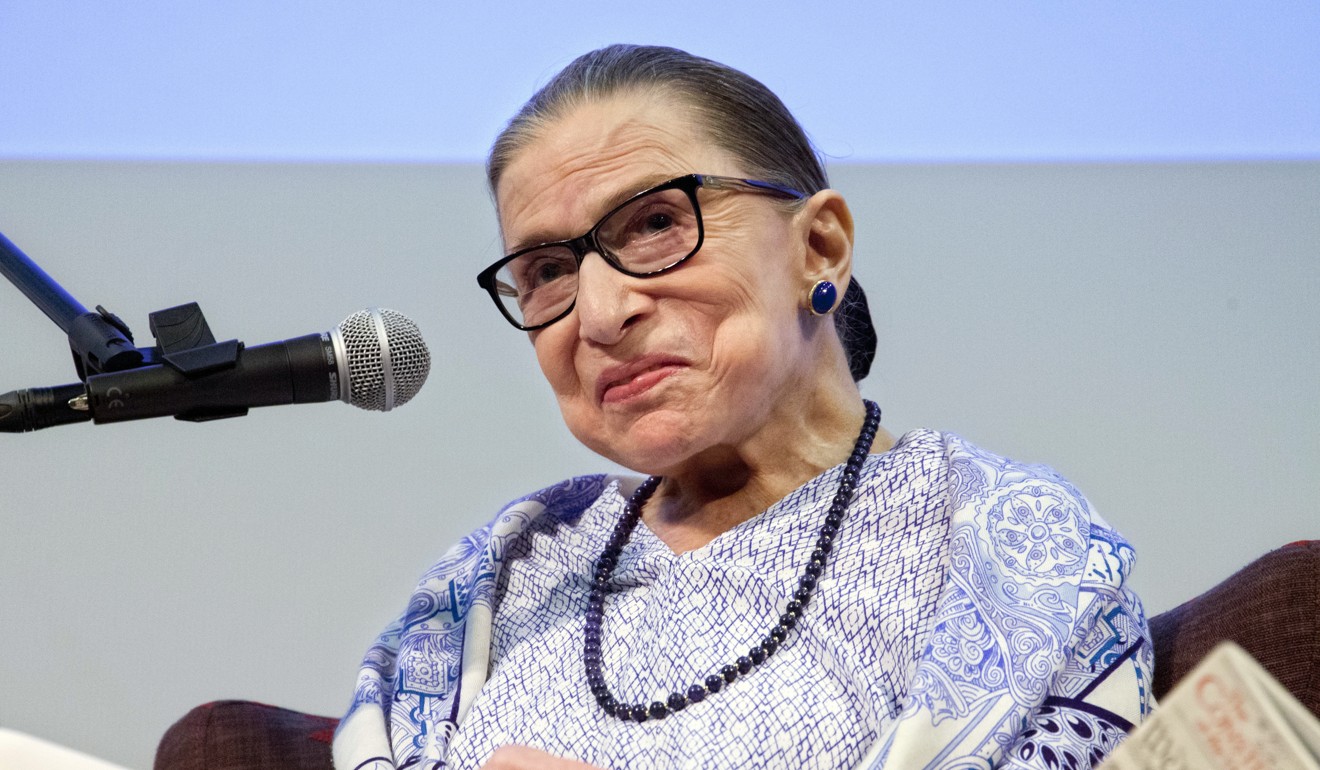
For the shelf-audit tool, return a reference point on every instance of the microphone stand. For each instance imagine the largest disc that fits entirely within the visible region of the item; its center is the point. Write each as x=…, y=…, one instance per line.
x=102, y=343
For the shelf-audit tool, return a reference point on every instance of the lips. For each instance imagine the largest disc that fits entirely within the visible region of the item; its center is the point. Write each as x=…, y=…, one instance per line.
x=626, y=381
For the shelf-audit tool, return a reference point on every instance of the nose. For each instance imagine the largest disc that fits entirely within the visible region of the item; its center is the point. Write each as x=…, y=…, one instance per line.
x=608, y=302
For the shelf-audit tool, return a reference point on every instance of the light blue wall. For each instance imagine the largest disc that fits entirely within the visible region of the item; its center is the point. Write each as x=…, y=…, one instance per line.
x=873, y=81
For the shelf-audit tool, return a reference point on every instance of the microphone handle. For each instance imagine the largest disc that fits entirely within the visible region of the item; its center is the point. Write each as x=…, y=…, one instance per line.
x=23, y=411
x=301, y=370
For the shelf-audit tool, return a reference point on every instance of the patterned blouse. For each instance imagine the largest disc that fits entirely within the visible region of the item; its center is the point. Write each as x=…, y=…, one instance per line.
x=972, y=616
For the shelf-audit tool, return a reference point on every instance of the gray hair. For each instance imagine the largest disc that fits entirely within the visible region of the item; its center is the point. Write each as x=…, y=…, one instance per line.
x=738, y=113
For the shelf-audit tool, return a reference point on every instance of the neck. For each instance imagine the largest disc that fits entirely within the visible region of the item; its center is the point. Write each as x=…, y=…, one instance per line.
x=727, y=485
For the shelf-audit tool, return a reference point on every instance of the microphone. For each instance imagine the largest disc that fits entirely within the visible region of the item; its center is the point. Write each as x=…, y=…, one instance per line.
x=375, y=359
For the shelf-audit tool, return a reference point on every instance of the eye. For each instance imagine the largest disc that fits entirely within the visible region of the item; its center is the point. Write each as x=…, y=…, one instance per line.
x=651, y=227
x=655, y=219
x=656, y=222
x=545, y=271
x=539, y=269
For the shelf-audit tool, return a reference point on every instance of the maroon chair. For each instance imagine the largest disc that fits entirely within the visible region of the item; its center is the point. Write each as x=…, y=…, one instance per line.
x=242, y=735
x=1271, y=607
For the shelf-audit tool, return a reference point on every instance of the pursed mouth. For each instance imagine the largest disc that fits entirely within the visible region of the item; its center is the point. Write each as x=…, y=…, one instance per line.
x=621, y=383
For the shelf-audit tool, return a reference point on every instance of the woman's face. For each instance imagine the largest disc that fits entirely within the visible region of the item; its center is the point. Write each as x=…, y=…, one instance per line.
x=655, y=372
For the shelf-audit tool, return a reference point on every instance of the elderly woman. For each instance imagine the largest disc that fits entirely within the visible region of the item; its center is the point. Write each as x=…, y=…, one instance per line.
x=790, y=586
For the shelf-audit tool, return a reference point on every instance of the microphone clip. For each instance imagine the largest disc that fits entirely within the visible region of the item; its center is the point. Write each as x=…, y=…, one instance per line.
x=184, y=341
x=184, y=344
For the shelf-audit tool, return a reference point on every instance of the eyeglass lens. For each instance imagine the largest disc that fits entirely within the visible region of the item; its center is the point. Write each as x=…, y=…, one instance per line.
x=645, y=235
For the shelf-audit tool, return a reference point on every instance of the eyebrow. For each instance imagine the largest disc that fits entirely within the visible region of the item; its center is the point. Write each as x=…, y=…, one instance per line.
x=606, y=206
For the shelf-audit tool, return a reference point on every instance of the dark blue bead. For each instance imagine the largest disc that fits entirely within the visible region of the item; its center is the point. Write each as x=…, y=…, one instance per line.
x=814, y=569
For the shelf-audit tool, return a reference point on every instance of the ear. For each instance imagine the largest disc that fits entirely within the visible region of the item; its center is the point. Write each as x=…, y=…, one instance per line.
x=828, y=227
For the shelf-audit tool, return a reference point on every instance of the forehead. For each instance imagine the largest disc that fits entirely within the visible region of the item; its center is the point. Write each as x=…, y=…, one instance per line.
x=595, y=156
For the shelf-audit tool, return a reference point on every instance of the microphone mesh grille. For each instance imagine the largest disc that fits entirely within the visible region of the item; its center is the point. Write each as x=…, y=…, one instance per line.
x=409, y=360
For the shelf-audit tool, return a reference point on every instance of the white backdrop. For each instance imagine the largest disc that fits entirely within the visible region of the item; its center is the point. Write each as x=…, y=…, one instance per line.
x=1150, y=330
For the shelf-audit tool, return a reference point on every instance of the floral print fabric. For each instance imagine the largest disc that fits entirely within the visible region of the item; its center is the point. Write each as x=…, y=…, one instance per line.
x=974, y=616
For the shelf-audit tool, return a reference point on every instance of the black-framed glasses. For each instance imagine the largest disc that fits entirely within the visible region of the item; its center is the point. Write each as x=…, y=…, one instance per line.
x=651, y=233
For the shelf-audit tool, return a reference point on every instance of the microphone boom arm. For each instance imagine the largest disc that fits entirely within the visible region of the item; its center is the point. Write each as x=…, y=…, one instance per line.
x=99, y=340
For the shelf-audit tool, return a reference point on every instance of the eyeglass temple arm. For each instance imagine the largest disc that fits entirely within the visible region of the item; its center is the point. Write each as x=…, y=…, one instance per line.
x=751, y=185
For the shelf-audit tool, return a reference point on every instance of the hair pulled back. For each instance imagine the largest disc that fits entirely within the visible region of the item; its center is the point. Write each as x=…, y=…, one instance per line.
x=739, y=115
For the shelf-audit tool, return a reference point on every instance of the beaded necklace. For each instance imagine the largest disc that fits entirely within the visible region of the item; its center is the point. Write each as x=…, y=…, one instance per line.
x=679, y=700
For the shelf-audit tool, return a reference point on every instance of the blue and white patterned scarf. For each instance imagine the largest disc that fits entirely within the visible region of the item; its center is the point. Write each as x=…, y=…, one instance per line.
x=974, y=616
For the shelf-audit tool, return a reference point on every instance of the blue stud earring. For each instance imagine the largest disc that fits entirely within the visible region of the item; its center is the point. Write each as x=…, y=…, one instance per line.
x=823, y=297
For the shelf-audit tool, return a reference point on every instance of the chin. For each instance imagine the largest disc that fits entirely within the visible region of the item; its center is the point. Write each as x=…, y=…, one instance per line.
x=651, y=443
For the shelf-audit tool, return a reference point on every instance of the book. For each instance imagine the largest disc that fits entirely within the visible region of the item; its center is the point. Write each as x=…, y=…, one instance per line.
x=1227, y=714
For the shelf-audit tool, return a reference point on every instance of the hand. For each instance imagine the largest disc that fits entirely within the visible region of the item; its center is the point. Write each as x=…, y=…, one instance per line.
x=527, y=758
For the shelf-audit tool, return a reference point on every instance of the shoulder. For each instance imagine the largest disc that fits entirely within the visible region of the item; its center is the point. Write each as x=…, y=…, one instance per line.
x=567, y=499
x=561, y=503
x=467, y=573
x=1035, y=521
x=552, y=506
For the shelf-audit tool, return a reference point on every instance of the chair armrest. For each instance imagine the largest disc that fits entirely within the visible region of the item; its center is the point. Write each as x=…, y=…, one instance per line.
x=241, y=735
x=1271, y=608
